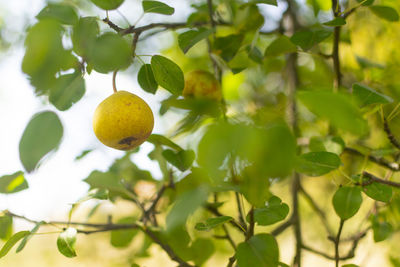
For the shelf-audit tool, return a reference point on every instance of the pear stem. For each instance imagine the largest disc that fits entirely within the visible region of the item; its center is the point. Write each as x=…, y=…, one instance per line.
x=113, y=81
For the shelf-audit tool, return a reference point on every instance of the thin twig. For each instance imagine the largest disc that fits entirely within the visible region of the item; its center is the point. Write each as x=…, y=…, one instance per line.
x=240, y=211
x=113, y=81
x=379, y=180
x=281, y=228
x=337, y=241
x=231, y=261
x=229, y=237
x=393, y=166
x=250, y=229
x=389, y=134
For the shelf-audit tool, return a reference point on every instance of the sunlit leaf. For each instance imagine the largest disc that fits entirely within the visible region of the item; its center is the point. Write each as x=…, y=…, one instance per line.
x=12, y=241
x=279, y=46
x=347, y=201
x=162, y=140
x=168, y=74
x=228, y=46
x=337, y=108
x=26, y=238
x=157, y=7
x=260, y=250
x=6, y=227
x=146, y=79
x=107, y=4
x=274, y=211
x=13, y=183
x=110, y=52
x=367, y=96
x=64, y=13
x=317, y=163
x=211, y=223
x=183, y=159
x=385, y=12
x=377, y=191
x=66, y=242
x=306, y=39
x=248, y=18
x=185, y=205
x=189, y=38
x=42, y=135
x=67, y=90
x=338, y=21
x=382, y=230
x=84, y=34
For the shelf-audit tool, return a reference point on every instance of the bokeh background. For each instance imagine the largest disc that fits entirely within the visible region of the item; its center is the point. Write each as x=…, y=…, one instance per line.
x=59, y=183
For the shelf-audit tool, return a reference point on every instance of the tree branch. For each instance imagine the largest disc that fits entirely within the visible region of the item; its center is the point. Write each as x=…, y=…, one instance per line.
x=250, y=229
x=393, y=166
x=379, y=180
x=337, y=241
x=110, y=227
x=281, y=228
x=389, y=134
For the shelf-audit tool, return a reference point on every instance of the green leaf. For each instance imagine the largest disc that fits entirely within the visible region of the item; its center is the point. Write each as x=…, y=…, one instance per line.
x=64, y=13
x=335, y=107
x=347, y=201
x=183, y=159
x=146, y=79
x=68, y=89
x=316, y=144
x=84, y=35
x=13, y=183
x=107, y=4
x=12, y=241
x=385, y=12
x=317, y=163
x=382, y=230
x=189, y=38
x=254, y=54
x=228, y=46
x=122, y=238
x=338, y=21
x=45, y=54
x=377, y=191
x=110, y=52
x=248, y=18
x=279, y=46
x=366, y=2
x=83, y=154
x=185, y=205
x=201, y=249
x=366, y=63
x=274, y=211
x=168, y=74
x=158, y=139
x=260, y=250
x=350, y=265
x=6, y=223
x=26, y=238
x=268, y=2
x=211, y=223
x=42, y=135
x=66, y=242
x=157, y=7
x=105, y=180
x=365, y=95
x=306, y=39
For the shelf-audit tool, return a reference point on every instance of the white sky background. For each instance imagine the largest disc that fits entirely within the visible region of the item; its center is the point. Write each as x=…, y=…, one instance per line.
x=58, y=182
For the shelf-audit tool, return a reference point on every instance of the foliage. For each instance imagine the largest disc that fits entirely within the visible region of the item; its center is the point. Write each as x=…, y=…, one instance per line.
x=303, y=102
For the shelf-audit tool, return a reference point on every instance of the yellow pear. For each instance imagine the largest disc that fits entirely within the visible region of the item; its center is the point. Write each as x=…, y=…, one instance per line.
x=123, y=121
x=202, y=84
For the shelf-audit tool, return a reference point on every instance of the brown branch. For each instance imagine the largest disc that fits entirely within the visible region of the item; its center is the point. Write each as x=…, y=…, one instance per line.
x=110, y=227
x=228, y=237
x=112, y=25
x=337, y=241
x=393, y=166
x=379, y=180
x=250, y=230
x=281, y=228
x=231, y=261
x=317, y=209
x=350, y=254
x=240, y=211
x=389, y=134
x=151, y=209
